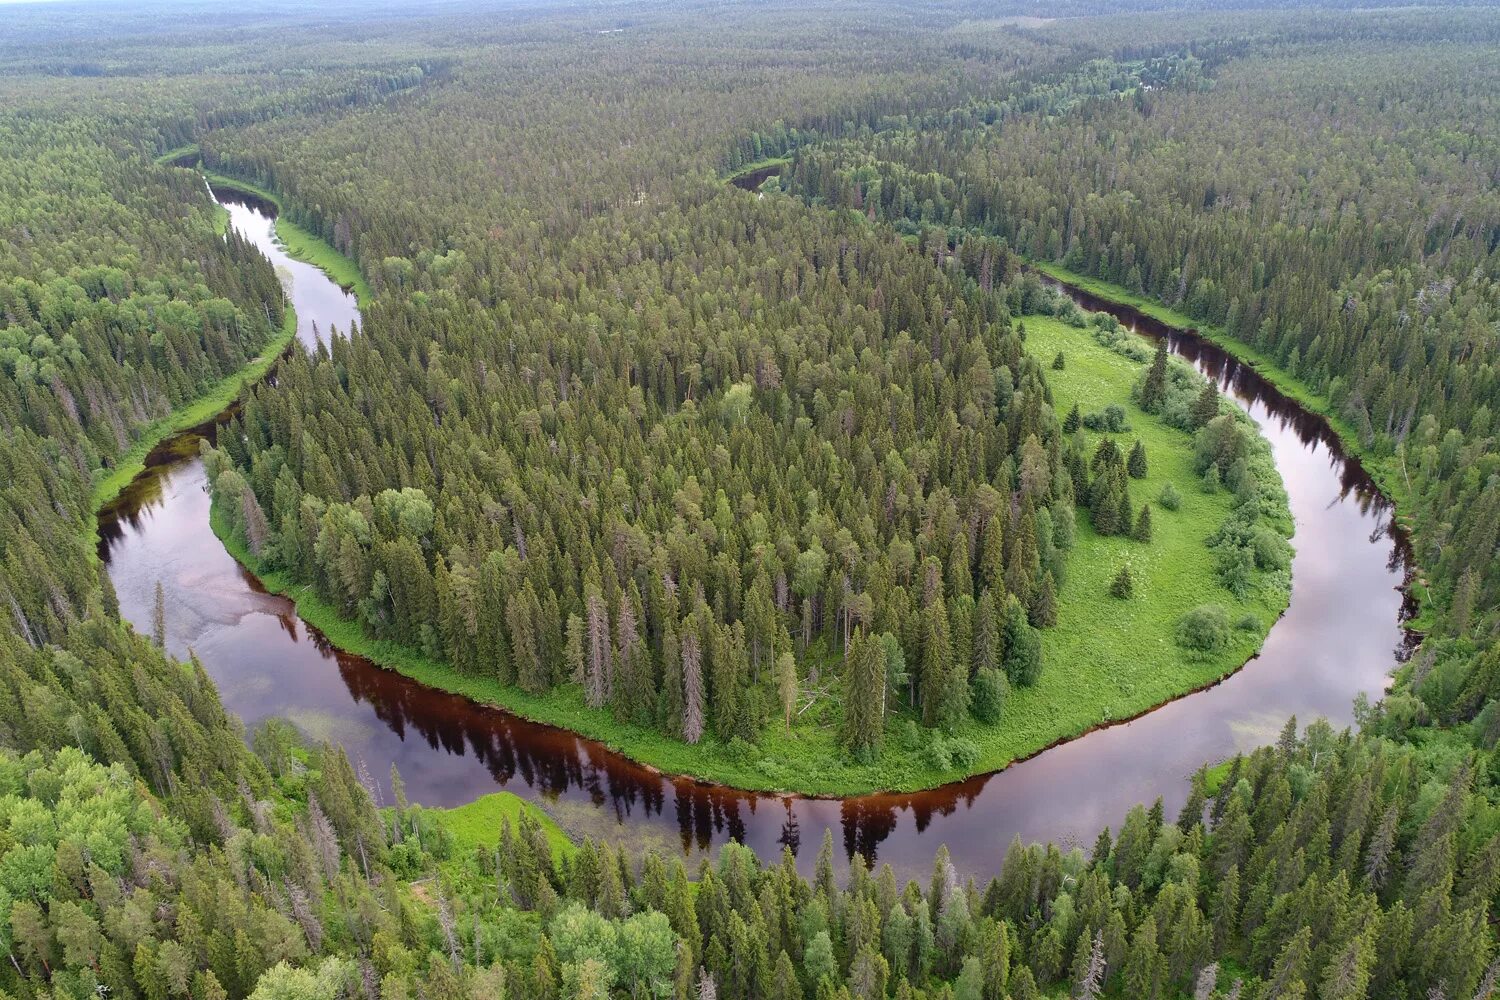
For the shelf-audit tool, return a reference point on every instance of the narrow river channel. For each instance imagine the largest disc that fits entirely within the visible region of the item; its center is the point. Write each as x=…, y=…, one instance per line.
x=1340, y=636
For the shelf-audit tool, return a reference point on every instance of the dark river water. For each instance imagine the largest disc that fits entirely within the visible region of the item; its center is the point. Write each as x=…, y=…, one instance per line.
x=1340, y=636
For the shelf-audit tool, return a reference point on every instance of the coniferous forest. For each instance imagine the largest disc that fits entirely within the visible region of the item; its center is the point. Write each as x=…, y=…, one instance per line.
x=717, y=394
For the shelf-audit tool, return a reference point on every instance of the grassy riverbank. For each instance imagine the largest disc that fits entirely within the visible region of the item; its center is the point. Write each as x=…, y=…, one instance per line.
x=1109, y=659
x=1106, y=661
x=477, y=824
x=303, y=244
x=201, y=410
x=750, y=168
x=1384, y=470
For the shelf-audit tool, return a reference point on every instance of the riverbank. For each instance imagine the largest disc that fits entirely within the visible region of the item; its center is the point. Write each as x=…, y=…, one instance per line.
x=200, y=411
x=1106, y=662
x=1107, y=658
x=1384, y=470
x=477, y=824
x=300, y=243
x=769, y=165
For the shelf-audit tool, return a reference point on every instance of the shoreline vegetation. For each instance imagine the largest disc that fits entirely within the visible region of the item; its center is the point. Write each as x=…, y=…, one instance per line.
x=200, y=411
x=749, y=168
x=1386, y=474
x=299, y=244
x=1107, y=661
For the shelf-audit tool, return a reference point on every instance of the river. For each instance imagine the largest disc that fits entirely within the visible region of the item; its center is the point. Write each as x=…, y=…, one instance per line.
x=1340, y=636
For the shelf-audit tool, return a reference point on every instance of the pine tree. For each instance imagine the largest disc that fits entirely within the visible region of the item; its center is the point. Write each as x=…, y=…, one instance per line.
x=1136, y=464
x=1090, y=985
x=1072, y=421
x=786, y=686
x=992, y=553
x=1123, y=586
x=937, y=659
x=986, y=633
x=159, y=617
x=1043, y=609
x=1059, y=363
x=692, y=685
x=1023, y=646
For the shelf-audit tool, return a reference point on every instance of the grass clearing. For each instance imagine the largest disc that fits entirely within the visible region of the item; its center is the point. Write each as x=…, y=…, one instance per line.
x=477, y=824
x=1386, y=471
x=1106, y=661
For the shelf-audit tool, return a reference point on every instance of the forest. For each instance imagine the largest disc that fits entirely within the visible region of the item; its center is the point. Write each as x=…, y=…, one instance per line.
x=812, y=486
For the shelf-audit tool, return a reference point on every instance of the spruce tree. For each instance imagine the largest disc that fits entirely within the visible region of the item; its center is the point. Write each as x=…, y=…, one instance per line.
x=1154, y=384
x=1142, y=530
x=1206, y=406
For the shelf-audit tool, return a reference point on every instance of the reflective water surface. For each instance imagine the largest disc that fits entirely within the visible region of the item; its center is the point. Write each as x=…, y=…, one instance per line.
x=1340, y=636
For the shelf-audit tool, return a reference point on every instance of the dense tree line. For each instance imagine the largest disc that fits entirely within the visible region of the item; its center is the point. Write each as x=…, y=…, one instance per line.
x=1330, y=866
x=743, y=435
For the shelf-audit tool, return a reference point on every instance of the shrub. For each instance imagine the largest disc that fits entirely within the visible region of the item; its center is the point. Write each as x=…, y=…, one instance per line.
x=937, y=756
x=1247, y=622
x=1205, y=629
x=1109, y=420
x=990, y=692
x=1170, y=498
x=963, y=752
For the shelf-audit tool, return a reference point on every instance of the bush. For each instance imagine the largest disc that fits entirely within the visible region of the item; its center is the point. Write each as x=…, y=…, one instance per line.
x=988, y=698
x=936, y=755
x=1247, y=623
x=963, y=752
x=1205, y=629
x=1271, y=550
x=1110, y=420
x=1170, y=498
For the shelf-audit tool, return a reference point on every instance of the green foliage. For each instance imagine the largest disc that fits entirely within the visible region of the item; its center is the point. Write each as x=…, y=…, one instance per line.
x=1205, y=629
x=595, y=387
x=990, y=691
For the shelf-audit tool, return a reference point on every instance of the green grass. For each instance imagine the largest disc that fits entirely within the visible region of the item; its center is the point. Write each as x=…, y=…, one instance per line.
x=301, y=243
x=1385, y=470
x=201, y=410
x=750, y=168
x=173, y=154
x=1107, y=660
x=477, y=824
